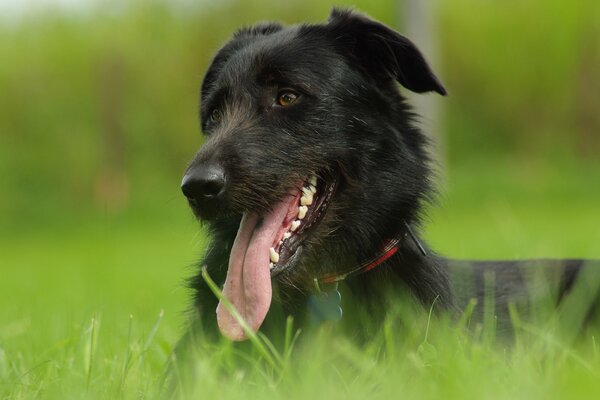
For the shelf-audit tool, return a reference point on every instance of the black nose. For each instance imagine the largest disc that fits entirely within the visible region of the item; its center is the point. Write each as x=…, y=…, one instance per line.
x=203, y=182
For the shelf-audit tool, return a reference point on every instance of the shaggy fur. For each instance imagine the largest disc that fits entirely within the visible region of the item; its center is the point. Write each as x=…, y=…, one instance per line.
x=349, y=125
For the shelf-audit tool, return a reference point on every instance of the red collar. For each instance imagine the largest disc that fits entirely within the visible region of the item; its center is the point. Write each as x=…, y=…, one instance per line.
x=387, y=249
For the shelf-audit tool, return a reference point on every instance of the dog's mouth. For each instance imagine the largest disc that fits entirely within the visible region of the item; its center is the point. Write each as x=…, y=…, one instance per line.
x=306, y=210
x=266, y=246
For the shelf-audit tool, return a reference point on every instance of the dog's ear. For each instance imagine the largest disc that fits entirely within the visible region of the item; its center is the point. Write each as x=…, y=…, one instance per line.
x=381, y=52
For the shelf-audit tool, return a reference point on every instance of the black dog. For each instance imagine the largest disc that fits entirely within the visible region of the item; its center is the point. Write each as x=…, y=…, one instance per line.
x=313, y=173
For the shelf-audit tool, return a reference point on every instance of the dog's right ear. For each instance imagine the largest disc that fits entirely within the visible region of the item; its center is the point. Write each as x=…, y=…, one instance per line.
x=381, y=52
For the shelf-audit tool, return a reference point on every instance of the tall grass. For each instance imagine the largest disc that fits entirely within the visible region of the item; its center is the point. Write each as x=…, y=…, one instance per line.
x=94, y=311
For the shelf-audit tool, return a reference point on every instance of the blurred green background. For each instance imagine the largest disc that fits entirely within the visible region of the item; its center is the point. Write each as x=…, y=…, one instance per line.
x=98, y=118
x=98, y=112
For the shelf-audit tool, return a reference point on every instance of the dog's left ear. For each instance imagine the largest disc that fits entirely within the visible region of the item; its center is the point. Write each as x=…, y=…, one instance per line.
x=381, y=52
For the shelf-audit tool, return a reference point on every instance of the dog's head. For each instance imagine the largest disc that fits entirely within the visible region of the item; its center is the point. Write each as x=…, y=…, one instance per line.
x=310, y=142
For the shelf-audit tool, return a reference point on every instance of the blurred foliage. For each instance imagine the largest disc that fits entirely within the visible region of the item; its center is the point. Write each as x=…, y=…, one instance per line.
x=523, y=76
x=98, y=108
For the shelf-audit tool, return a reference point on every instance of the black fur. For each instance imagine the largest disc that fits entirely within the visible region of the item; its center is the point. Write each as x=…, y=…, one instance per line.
x=350, y=123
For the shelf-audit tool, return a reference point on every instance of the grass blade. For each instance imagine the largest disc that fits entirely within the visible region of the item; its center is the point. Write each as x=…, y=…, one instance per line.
x=252, y=336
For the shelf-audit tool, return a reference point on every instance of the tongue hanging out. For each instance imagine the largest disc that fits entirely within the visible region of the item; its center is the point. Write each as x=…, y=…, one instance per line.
x=248, y=282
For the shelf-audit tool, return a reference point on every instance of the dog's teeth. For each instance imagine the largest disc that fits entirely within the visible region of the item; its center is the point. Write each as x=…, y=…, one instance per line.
x=307, y=197
x=313, y=181
x=271, y=265
x=273, y=255
x=280, y=242
x=313, y=189
x=302, y=212
x=287, y=235
x=295, y=225
x=306, y=200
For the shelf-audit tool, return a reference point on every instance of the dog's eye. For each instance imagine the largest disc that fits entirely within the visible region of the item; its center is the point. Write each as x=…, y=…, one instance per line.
x=286, y=98
x=215, y=115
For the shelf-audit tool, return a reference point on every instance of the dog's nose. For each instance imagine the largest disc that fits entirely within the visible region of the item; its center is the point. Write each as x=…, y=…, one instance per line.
x=203, y=182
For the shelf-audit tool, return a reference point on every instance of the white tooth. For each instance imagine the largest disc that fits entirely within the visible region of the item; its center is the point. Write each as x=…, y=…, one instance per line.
x=287, y=235
x=271, y=265
x=302, y=212
x=280, y=242
x=274, y=255
x=295, y=225
x=313, y=180
x=313, y=188
x=306, y=199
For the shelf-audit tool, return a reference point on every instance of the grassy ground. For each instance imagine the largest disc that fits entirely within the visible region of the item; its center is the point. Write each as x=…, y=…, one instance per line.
x=92, y=309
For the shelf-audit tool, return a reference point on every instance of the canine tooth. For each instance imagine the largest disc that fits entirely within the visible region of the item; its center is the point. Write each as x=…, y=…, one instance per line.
x=313, y=188
x=273, y=255
x=307, y=197
x=313, y=180
x=295, y=225
x=271, y=265
x=287, y=235
x=280, y=242
x=302, y=212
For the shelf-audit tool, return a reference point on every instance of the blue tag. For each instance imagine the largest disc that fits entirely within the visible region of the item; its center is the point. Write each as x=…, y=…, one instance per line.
x=325, y=306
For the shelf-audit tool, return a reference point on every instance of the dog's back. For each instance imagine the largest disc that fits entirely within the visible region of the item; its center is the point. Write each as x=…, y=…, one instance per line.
x=534, y=289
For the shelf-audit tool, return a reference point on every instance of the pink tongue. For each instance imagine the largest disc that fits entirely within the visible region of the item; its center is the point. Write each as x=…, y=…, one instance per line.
x=248, y=282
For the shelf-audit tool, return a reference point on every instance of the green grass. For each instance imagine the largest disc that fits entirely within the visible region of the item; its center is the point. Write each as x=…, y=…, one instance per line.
x=82, y=306
x=93, y=309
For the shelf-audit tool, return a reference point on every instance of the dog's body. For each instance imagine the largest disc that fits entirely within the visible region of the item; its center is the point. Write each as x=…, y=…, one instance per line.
x=312, y=166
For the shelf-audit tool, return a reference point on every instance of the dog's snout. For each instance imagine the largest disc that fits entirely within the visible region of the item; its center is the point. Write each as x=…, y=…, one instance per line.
x=203, y=182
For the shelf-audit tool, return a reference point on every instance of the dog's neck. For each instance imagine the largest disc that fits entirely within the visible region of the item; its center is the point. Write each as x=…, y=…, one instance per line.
x=386, y=250
x=412, y=265
x=402, y=259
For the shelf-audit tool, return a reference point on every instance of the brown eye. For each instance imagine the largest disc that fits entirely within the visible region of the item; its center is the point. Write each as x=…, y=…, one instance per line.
x=215, y=115
x=286, y=98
